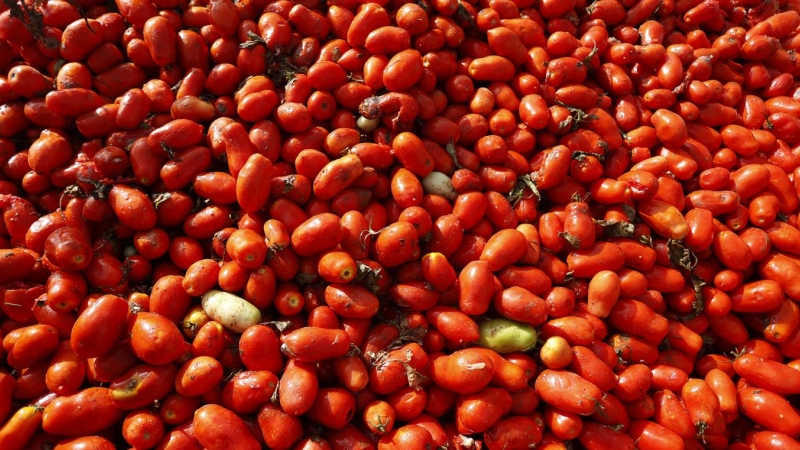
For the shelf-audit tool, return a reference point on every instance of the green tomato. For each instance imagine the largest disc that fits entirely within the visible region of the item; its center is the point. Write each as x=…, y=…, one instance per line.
x=506, y=336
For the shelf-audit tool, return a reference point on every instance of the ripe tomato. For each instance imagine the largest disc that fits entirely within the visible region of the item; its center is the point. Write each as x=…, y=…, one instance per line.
x=83, y=413
x=218, y=427
x=155, y=339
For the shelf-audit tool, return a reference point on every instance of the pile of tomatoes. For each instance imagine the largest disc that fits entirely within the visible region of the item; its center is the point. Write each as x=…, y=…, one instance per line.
x=461, y=224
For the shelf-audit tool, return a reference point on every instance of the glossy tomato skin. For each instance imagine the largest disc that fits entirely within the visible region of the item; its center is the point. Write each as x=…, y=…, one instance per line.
x=754, y=404
x=66, y=372
x=307, y=343
x=198, y=376
x=84, y=413
x=247, y=390
x=68, y=248
x=596, y=436
x=155, y=339
x=132, y=207
x=218, y=427
x=317, y=234
x=99, y=326
x=143, y=427
x=182, y=436
x=280, y=430
x=333, y=407
x=396, y=244
x=409, y=436
x=513, y=431
x=80, y=443
x=337, y=223
x=448, y=371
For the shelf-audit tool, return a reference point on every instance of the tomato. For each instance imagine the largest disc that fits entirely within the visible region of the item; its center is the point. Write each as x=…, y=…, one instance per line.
x=141, y=385
x=702, y=404
x=379, y=417
x=66, y=371
x=218, y=427
x=143, y=428
x=670, y=414
x=317, y=234
x=771, y=439
x=587, y=262
x=155, y=339
x=454, y=325
x=83, y=413
x=351, y=301
x=99, y=326
x=504, y=248
x=481, y=410
x=567, y=391
x=596, y=436
x=650, y=435
x=304, y=344
x=476, y=287
x=520, y=304
x=279, y=429
x=438, y=271
x=764, y=407
x=664, y=219
x=451, y=371
x=770, y=375
x=333, y=407
x=395, y=244
x=21, y=426
x=198, y=376
x=757, y=296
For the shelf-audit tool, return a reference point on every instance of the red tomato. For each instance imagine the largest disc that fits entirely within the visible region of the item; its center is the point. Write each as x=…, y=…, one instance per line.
x=84, y=413
x=218, y=427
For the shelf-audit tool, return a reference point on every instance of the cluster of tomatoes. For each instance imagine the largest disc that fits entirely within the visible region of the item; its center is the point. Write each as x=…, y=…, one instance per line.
x=462, y=224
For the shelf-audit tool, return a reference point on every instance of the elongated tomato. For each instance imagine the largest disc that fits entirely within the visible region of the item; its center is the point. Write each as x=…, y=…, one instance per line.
x=132, y=207
x=317, y=234
x=219, y=427
x=567, y=391
x=351, y=300
x=253, y=184
x=652, y=436
x=86, y=412
x=504, y=248
x=769, y=409
x=477, y=287
x=771, y=375
x=313, y=344
x=663, y=218
x=336, y=176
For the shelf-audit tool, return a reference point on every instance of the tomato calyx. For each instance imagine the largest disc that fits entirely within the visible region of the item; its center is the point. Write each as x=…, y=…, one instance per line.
x=698, y=304
x=768, y=125
x=380, y=359
x=369, y=277
x=572, y=240
x=524, y=183
x=75, y=191
x=29, y=16
x=279, y=325
x=576, y=117
x=463, y=17
x=616, y=229
x=700, y=430
x=450, y=148
x=680, y=255
x=252, y=41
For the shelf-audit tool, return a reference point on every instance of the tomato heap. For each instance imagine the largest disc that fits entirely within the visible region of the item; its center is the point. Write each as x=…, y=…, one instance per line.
x=463, y=224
